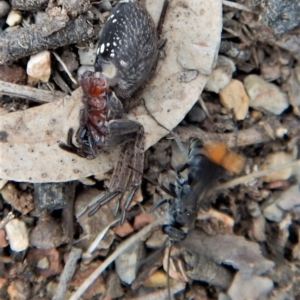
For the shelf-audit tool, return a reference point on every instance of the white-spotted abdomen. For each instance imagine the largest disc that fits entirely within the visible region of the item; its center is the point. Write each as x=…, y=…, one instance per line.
x=127, y=49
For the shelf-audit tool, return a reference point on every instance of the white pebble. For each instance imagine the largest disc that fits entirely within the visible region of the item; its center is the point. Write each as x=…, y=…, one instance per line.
x=221, y=75
x=265, y=96
x=14, y=18
x=17, y=235
x=39, y=66
x=87, y=56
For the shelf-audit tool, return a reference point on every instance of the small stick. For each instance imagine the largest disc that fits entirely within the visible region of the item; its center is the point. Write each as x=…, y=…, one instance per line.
x=120, y=249
x=49, y=35
x=255, y=135
x=67, y=273
x=6, y=219
x=64, y=67
x=237, y=6
x=255, y=175
x=100, y=236
x=29, y=5
x=26, y=92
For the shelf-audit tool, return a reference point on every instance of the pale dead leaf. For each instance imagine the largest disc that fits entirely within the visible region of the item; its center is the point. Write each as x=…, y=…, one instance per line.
x=229, y=249
x=29, y=150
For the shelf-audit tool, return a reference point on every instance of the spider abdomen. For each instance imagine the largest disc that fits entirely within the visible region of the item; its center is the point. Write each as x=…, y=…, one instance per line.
x=128, y=48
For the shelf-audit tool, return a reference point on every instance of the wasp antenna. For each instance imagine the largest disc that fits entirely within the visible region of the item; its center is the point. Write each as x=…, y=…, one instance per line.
x=159, y=203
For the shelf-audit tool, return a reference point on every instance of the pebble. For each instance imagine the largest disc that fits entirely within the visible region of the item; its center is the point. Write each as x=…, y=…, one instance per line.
x=43, y=263
x=4, y=9
x=294, y=87
x=46, y=262
x=270, y=72
x=87, y=56
x=127, y=263
x=234, y=96
x=143, y=219
x=249, y=287
x=17, y=235
x=13, y=74
x=3, y=240
x=177, y=158
x=21, y=201
x=221, y=75
x=14, y=18
x=258, y=229
x=124, y=229
x=39, y=66
x=47, y=227
x=253, y=209
x=156, y=239
x=277, y=159
x=289, y=198
x=19, y=289
x=51, y=196
x=157, y=280
x=273, y=213
x=265, y=96
x=196, y=114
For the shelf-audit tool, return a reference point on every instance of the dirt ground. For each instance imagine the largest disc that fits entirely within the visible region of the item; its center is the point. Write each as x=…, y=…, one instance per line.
x=238, y=200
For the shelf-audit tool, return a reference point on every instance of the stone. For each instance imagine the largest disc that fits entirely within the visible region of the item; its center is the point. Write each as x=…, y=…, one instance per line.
x=39, y=66
x=14, y=18
x=249, y=287
x=293, y=85
x=17, y=235
x=3, y=240
x=4, y=9
x=19, y=200
x=234, y=96
x=87, y=56
x=13, y=74
x=289, y=198
x=273, y=213
x=265, y=96
x=128, y=262
x=277, y=159
x=221, y=75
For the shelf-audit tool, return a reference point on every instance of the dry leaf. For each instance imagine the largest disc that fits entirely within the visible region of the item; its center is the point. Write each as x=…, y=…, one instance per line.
x=244, y=256
x=29, y=149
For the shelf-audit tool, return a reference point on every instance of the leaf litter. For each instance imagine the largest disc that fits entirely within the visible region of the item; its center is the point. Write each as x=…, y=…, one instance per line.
x=245, y=246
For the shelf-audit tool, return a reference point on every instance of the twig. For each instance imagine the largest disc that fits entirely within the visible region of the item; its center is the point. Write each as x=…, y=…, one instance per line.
x=68, y=213
x=6, y=219
x=26, y=92
x=49, y=35
x=254, y=175
x=100, y=236
x=121, y=249
x=29, y=5
x=67, y=273
x=255, y=135
x=64, y=67
x=237, y=6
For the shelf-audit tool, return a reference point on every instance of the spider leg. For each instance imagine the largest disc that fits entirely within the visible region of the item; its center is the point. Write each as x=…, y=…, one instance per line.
x=70, y=147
